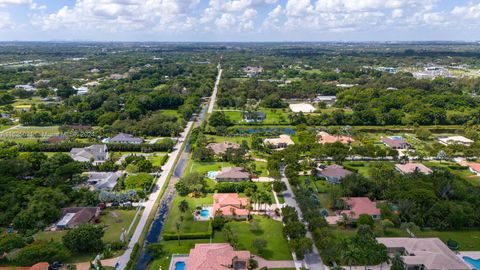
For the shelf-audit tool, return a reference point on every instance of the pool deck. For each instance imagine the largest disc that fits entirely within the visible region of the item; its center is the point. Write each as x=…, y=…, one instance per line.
x=472, y=254
x=177, y=258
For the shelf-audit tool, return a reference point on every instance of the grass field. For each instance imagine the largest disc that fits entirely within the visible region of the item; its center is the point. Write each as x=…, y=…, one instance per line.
x=188, y=224
x=463, y=173
x=30, y=132
x=272, y=117
x=113, y=220
x=204, y=167
x=236, y=139
x=467, y=240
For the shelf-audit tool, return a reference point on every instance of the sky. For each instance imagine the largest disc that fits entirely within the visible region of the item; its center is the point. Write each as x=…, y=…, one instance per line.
x=239, y=20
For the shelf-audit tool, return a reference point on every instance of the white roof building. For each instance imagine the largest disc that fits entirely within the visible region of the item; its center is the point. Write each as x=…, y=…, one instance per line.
x=302, y=107
x=455, y=140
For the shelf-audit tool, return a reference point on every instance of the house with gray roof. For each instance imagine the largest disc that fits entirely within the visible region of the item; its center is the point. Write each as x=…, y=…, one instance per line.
x=125, y=138
x=104, y=181
x=75, y=216
x=334, y=173
x=233, y=174
x=96, y=154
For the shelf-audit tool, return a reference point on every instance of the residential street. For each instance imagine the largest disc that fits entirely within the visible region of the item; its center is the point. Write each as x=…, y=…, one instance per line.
x=215, y=90
x=313, y=260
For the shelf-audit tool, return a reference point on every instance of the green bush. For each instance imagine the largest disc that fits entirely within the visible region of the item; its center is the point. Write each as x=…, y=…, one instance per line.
x=190, y=235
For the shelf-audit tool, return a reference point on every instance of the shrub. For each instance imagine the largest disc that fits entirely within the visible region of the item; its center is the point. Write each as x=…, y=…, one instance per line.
x=41, y=252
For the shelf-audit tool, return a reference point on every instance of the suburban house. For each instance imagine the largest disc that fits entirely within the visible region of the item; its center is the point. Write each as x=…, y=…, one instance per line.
x=74, y=216
x=334, y=173
x=221, y=148
x=252, y=117
x=125, y=138
x=411, y=167
x=26, y=87
x=96, y=153
x=329, y=100
x=324, y=137
x=358, y=206
x=252, y=71
x=455, y=140
x=233, y=174
x=103, y=180
x=230, y=205
x=302, y=107
x=278, y=143
x=219, y=256
x=395, y=142
x=474, y=167
x=423, y=253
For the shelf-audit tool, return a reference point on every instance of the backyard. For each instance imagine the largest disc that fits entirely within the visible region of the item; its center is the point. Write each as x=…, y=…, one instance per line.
x=187, y=223
x=468, y=240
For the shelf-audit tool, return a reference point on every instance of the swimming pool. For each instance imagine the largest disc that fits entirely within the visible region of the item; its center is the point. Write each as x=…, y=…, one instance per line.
x=472, y=262
x=205, y=213
x=396, y=137
x=179, y=265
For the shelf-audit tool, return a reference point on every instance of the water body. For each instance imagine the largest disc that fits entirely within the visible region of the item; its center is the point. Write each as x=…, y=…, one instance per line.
x=288, y=131
x=156, y=227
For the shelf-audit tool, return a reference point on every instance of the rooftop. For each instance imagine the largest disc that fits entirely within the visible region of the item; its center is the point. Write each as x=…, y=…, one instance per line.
x=215, y=257
x=432, y=253
x=225, y=202
x=302, y=107
x=221, y=148
x=335, y=171
x=359, y=206
x=123, y=137
x=233, y=173
x=282, y=139
x=411, y=167
x=324, y=137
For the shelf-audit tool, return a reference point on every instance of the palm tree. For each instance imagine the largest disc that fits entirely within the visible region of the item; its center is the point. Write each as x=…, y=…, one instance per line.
x=178, y=225
x=348, y=254
x=183, y=206
x=397, y=263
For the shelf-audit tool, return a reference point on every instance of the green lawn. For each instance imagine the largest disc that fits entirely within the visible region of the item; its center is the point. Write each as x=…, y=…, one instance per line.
x=204, y=167
x=156, y=159
x=270, y=230
x=170, y=112
x=261, y=167
x=344, y=233
x=467, y=240
x=236, y=139
x=188, y=224
x=462, y=173
x=30, y=133
x=113, y=220
x=272, y=117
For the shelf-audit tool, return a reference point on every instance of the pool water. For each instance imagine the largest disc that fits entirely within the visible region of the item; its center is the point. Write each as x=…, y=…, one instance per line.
x=396, y=137
x=179, y=265
x=204, y=213
x=472, y=262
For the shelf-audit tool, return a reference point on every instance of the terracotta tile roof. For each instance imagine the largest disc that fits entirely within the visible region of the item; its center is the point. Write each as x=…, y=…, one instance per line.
x=225, y=202
x=360, y=205
x=395, y=142
x=324, y=137
x=281, y=140
x=474, y=166
x=214, y=257
x=412, y=167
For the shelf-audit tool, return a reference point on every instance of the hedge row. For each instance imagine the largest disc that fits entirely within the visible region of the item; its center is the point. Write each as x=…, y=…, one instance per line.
x=133, y=257
x=66, y=147
x=191, y=235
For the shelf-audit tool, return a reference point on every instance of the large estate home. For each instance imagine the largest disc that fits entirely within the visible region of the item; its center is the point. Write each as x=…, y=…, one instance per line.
x=278, y=143
x=334, y=173
x=233, y=174
x=96, y=153
x=423, y=253
x=221, y=148
x=395, y=142
x=411, y=167
x=230, y=205
x=75, y=216
x=219, y=256
x=125, y=138
x=324, y=137
x=358, y=206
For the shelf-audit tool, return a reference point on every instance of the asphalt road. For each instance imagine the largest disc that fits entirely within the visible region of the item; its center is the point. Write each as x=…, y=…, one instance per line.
x=162, y=180
x=313, y=259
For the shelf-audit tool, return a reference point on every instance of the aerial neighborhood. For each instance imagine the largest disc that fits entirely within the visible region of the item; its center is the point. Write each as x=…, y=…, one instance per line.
x=240, y=156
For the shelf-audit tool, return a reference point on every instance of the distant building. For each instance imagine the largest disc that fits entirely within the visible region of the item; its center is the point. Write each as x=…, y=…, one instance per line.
x=424, y=253
x=324, y=137
x=94, y=70
x=221, y=148
x=82, y=90
x=125, y=138
x=329, y=100
x=96, y=153
x=359, y=206
x=345, y=85
x=411, y=167
x=233, y=174
x=278, y=143
x=334, y=173
x=474, y=167
x=455, y=140
x=390, y=70
x=25, y=87
x=395, y=142
x=230, y=205
x=74, y=216
x=252, y=71
x=117, y=76
x=251, y=117
x=216, y=257
x=103, y=180
x=302, y=107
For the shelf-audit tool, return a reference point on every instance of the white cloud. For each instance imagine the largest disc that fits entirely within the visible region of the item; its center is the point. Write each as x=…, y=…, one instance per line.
x=397, y=13
x=5, y=21
x=226, y=21
x=119, y=15
x=471, y=11
x=14, y=2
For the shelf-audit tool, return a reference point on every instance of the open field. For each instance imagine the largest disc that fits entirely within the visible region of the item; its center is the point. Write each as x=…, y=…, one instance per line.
x=29, y=132
x=272, y=117
x=204, y=167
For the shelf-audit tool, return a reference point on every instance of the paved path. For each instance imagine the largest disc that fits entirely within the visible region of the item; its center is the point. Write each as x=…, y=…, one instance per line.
x=9, y=129
x=313, y=259
x=215, y=90
x=149, y=205
x=273, y=264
